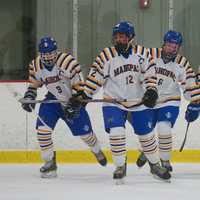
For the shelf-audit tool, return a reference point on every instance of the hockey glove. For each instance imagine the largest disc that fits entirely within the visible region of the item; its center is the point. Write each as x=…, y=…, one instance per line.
x=72, y=109
x=80, y=98
x=83, y=98
x=30, y=94
x=192, y=112
x=150, y=97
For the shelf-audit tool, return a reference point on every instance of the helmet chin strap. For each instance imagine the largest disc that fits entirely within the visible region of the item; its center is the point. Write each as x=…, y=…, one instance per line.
x=124, y=49
x=130, y=43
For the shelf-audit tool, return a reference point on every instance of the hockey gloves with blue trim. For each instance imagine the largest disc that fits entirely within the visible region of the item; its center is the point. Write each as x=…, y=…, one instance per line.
x=150, y=97
x=192, y=112
x=30, y=94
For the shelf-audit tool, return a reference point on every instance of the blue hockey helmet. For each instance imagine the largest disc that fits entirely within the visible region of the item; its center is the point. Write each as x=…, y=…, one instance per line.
x=124, y=27
x=47, y=45
x=173, y=37
x=48, y=51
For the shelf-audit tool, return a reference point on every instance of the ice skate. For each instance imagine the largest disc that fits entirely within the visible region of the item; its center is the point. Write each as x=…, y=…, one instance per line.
x=49, y=169
x=119, y=174
x=166, y=164
x=101, y=158
x=160, y=172
x=141, y=161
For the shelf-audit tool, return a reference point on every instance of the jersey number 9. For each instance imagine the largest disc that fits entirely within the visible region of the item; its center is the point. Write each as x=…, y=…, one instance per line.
x=59, y=89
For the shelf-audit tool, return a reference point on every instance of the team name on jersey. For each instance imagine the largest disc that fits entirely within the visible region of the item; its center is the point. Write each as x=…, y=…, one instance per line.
x=126, y=68
x=165, y=72
x=51, y=79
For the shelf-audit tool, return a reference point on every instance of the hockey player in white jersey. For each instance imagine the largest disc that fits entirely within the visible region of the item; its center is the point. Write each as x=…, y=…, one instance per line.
x=193, y=109
x=120, y=70
x=62, y=76
x=173, y=72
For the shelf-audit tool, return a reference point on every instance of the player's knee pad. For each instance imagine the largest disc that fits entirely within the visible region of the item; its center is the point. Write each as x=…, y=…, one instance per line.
x=147, y=135
x=164, y=128
x=117, y=131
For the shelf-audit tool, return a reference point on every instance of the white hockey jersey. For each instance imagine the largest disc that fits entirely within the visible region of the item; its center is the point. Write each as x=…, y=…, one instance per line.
x=172, y=77
x=62, y=81
x=198, y=75
x=121, y=78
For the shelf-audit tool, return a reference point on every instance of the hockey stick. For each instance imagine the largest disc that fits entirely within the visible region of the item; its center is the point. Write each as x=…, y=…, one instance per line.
x=22, y=100
x=184, y=140
x=114, y=101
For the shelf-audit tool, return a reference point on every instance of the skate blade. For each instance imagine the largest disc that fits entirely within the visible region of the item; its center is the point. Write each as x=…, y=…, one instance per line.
x=120, y=181
x=160, y=179
x=52, y=174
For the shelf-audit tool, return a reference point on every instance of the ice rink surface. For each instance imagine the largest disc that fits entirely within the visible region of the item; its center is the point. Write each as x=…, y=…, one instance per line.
x=93, y=182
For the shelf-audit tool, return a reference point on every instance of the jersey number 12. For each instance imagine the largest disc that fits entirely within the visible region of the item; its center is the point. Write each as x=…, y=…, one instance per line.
x=129, y=80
